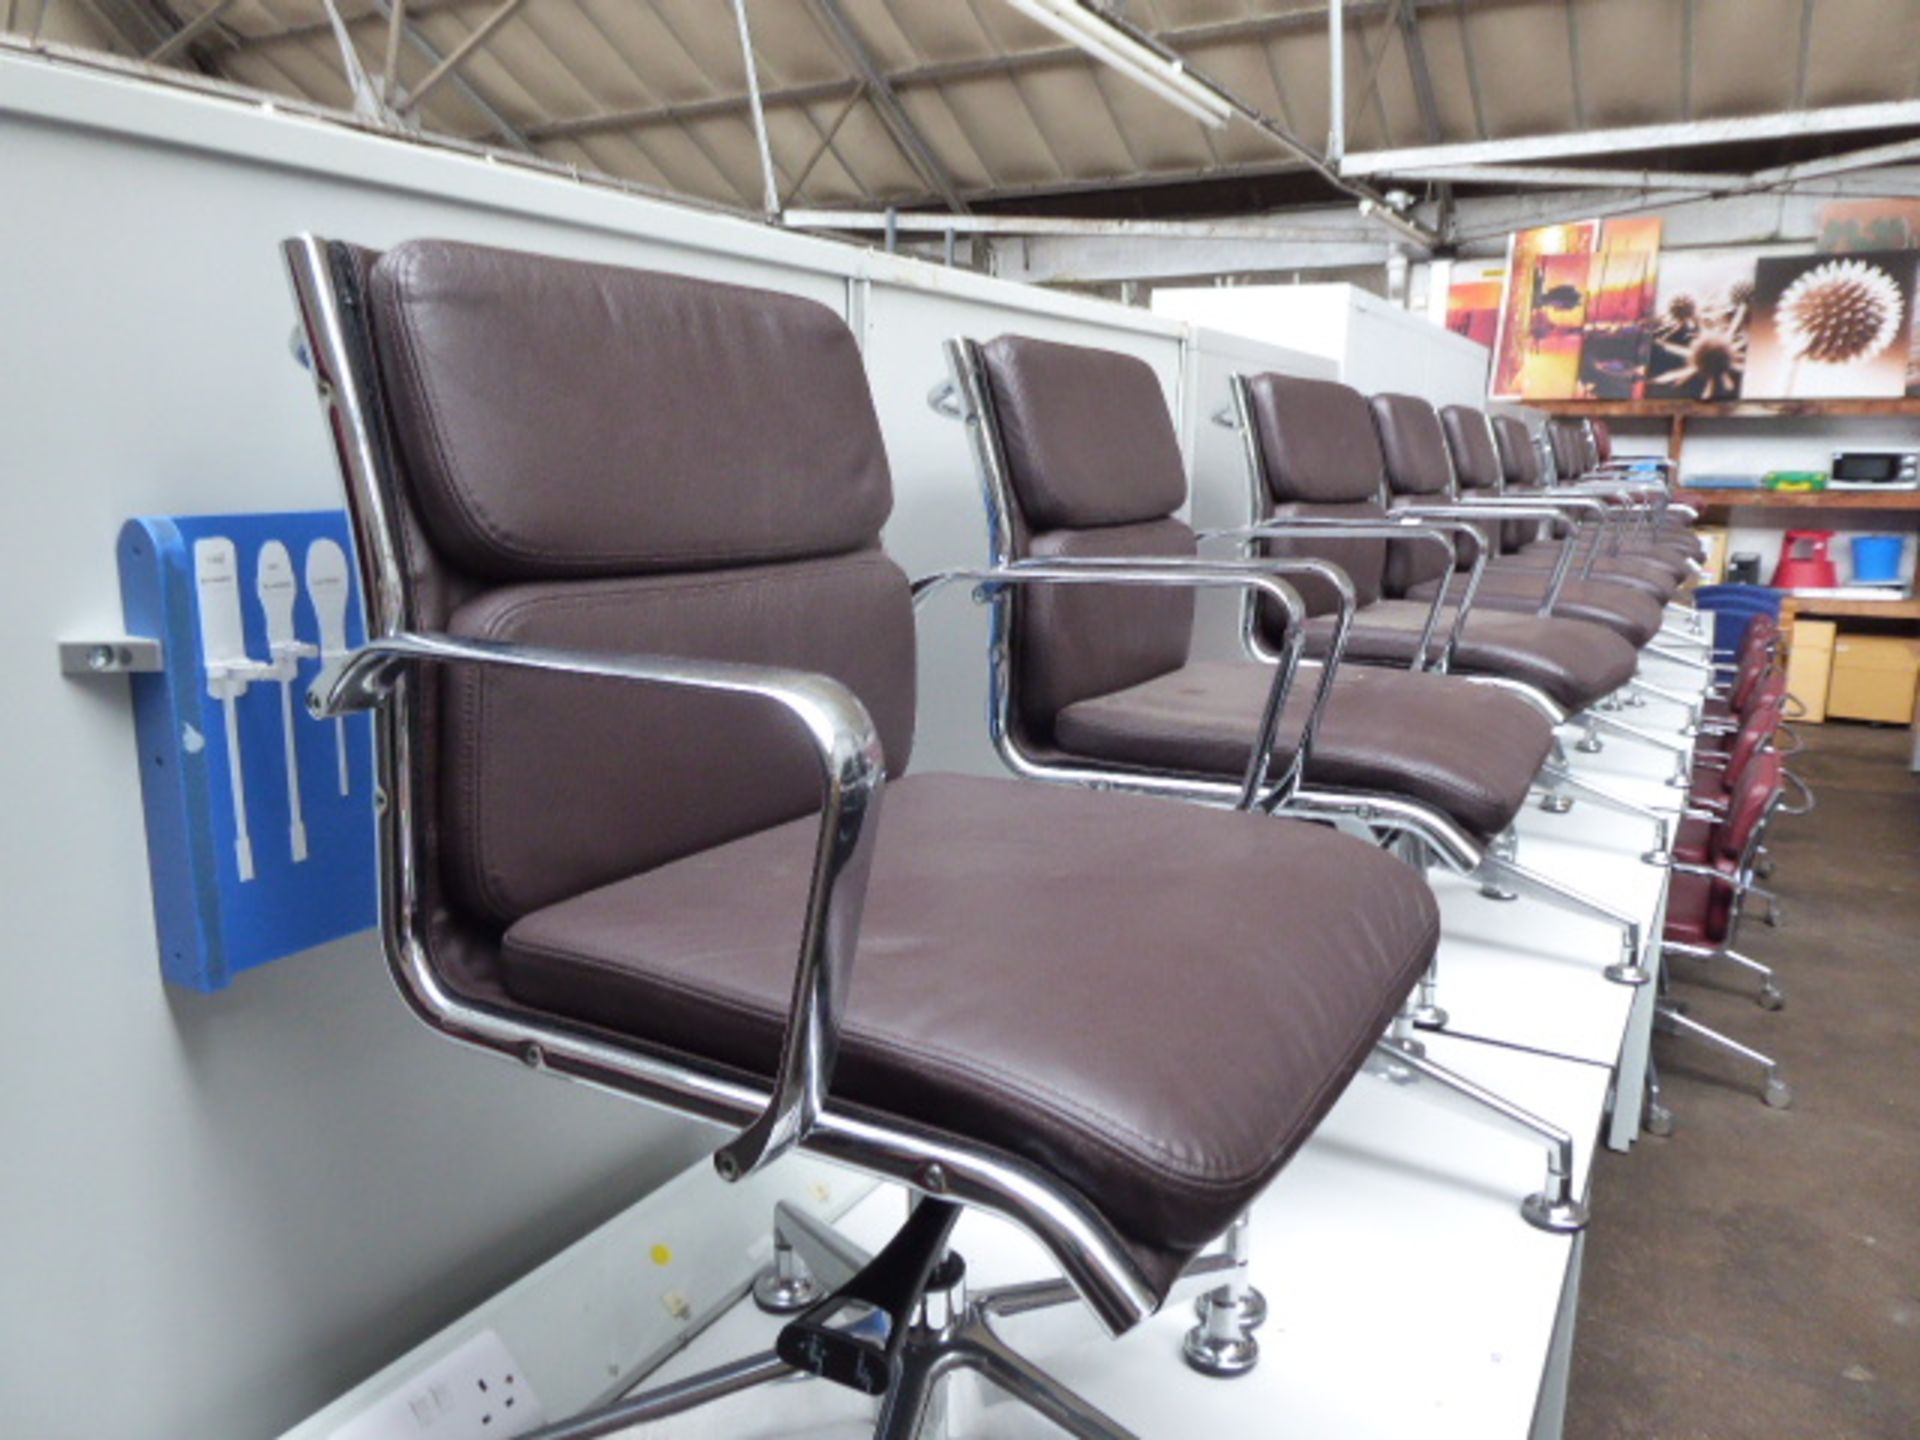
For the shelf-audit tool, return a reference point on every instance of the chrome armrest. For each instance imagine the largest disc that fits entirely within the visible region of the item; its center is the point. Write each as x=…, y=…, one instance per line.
x=1185, y=572
x=1707, y=872
x=1332, y=528
x=1555, y=518
x=1807, y=798
x=853, y=770
x=1596, y=512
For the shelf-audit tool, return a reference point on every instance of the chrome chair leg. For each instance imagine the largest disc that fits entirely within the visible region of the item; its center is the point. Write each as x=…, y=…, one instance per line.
x=1222, y=1343
x=1771, y=996
x=1655, y=1117
x=1506, y=846
x=1559, y=780
x=1554, y=1206
x=1774, y=1088
x=983, y=1351
x=1424, y=1008
x=810, y=1258
x=1629, y=969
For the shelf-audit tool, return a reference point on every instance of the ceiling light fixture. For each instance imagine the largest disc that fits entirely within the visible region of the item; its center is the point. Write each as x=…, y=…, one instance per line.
x=1118, y=45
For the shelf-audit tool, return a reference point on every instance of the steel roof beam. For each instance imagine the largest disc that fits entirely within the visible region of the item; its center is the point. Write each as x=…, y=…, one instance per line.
x=899, y=125
x=461, y=53
x=1782, y=125
x=428, y=51
x=189, y=32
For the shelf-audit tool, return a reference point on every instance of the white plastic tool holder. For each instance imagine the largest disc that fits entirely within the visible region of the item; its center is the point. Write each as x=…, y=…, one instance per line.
x=223, y=648
x=328, y=590
x=277, y=588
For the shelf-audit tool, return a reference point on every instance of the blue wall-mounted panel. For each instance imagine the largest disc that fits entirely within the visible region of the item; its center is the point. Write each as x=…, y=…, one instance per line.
x=260, y=823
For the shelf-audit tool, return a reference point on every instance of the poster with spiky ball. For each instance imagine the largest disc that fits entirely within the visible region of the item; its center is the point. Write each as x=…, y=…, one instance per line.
x=1699, y=325
x=1830, y=326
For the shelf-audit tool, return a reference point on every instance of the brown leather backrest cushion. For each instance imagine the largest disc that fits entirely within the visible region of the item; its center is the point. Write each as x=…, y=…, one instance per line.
x=1073, y=642
x=1569, y=448
x=1477, y=467
x=1420, y=471
x=554, y=787
x=1363, y=560
x=1086, y=434
x=1476, y=461
x=1414, y=447
x=629, y=463
x=1320, y=457
x=1317, y=441
x=1519, y=461
x=567, y=419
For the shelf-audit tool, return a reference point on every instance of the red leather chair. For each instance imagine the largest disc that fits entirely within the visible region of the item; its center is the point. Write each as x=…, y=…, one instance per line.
x=1706, y=901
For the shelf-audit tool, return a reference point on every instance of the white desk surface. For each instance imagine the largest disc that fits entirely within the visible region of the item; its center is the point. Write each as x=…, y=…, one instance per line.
x=1407, y=1296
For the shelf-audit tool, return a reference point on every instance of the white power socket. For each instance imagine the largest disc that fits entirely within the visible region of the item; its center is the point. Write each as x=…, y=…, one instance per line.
x=476, y=1393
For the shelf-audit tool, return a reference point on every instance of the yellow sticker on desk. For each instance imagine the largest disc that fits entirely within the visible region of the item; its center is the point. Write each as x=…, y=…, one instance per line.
x=662, y=1254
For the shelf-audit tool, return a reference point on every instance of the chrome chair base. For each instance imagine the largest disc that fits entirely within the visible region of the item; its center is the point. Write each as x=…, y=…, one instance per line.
x=1770, y=996
x=1222, y=1344
x=1774, y=1090
x=1553, y=1207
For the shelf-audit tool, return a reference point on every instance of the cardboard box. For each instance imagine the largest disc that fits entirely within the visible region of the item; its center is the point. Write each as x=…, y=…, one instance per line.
x=1810, y=666
x=1874, y=678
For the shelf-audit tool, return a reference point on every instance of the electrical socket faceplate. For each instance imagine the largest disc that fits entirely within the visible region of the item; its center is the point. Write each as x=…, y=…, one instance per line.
x=476, y=1393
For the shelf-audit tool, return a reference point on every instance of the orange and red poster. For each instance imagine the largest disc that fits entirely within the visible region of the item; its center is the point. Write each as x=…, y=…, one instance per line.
x=1473, y=303
x=1613, y=356
x=1521, y=370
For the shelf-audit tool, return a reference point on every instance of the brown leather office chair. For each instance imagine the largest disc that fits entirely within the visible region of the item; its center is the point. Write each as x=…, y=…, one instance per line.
x=1658, y=571
x=642, y=677
x=1421, y=480
x=1314, y=453
x=1077, y=458
x=1313, y=458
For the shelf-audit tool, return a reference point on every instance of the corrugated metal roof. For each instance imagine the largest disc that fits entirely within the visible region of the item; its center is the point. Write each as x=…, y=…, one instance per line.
x=655, y=91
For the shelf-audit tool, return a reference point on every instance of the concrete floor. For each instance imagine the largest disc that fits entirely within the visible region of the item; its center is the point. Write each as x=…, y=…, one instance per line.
x=1757, y=1275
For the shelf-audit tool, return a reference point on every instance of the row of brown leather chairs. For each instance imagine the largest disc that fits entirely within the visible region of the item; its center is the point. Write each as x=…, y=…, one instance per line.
x=644, y=681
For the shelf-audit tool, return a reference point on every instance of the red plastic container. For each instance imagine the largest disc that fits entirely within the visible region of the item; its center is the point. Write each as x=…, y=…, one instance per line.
x=1804, y=561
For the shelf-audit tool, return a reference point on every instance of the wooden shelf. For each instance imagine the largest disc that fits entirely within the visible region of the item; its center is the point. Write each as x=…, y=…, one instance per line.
x=1799, y=499
x=1724, y=409
x=1848, y=609
x=1678, y=412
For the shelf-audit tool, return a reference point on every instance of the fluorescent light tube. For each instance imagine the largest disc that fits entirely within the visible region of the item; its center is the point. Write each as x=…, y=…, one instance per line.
x=1140, y=63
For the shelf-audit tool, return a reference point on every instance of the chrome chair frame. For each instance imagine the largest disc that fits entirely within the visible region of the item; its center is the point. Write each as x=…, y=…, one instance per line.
x=798, y=1110
x=1775, y=1090
x=966, y=397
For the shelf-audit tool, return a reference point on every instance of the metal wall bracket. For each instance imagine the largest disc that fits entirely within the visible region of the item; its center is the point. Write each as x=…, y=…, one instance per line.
x=119, y=655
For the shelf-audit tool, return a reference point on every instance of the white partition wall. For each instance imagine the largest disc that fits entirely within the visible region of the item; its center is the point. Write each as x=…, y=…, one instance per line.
x=1221, y=491
x=240, y=1204
x=939, y=512
x=1374, y=345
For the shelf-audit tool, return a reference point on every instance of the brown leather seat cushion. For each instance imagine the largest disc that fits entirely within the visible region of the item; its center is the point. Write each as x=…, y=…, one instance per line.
x=1653, y=574
x=1467, y=750
x=1631, y=614
x=1034, y=964
x=1571, y=661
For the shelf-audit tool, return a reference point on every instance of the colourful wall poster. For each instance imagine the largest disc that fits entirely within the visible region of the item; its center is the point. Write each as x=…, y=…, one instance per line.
x=1473, y=303
x=1621, y=284
x=1829, y=326
x=1848, y=227
x=1550, y=369
x=1699, y=325
x=1515, y=340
